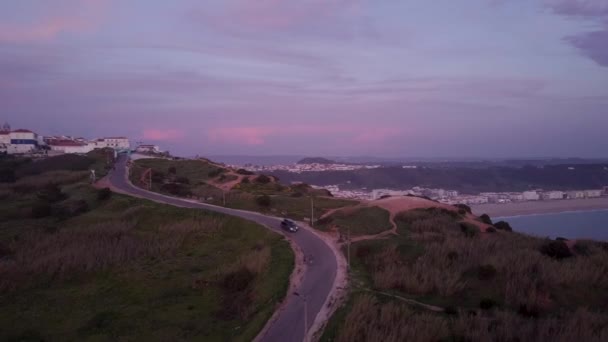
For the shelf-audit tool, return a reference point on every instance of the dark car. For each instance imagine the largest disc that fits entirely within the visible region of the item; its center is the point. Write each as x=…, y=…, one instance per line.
x=289, y=226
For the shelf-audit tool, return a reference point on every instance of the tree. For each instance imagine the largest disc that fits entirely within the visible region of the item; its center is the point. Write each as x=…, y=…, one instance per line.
x=556, y=249
x=485, y=218
x=263, y=201
x=502, y=225
x=104, y=194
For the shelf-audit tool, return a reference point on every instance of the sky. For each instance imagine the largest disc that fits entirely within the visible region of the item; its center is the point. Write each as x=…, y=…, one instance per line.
x=399, y=78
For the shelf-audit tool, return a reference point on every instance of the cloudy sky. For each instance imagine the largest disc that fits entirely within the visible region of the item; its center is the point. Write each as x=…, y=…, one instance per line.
x=503, y=78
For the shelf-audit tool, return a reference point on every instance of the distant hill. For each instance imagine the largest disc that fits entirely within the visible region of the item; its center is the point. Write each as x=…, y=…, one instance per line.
x=316, y=160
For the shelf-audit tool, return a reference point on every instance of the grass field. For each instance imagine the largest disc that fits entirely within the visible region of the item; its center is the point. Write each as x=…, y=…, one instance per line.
x=120, y=268
x=494, y=286
x=360, y=221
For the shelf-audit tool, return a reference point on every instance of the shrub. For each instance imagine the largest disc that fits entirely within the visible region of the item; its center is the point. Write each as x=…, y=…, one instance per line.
x=485, y=218
x=502, y=225
x=263, y=201
x=263, y=179
x=363, y=252
x=172, y=170
x=7, y=176
x=487, y=304
x=581, y=248
x=469, y=230
x=158, y=177
x=244, y=172
x=237, y=281
x=237, y=297
x=215, y=172
x=245, y=180
x=297, y=194
x=450, y=310
x=104, y=194
x=70, y=209
x=556, y=249
x=183, y=180
x=491, y=230
x=465, y=207
x=51, y=193
x=176, y=189
x=41, y=209
x=486, y=272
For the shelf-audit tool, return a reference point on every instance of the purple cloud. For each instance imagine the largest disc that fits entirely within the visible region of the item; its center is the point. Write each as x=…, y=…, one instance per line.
x=579, y=8
x=593, y=45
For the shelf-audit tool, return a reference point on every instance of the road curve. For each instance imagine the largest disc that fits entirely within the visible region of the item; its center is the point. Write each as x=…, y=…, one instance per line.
x=317, y=280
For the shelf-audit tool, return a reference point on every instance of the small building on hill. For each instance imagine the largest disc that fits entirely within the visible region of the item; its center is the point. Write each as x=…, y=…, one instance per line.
x=69, y=146
x=148, y=149
x=22, y=141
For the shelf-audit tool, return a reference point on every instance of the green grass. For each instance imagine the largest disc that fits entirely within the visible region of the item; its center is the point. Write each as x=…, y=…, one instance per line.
x=170, y=295
x=361, y=221
x=195, y=170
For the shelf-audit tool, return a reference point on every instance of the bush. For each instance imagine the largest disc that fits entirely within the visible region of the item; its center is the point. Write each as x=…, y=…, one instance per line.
x=450, y=310
x=215, y=172
x=172, y=170
x=581, y=248
x=487, y=304
x=485, y=218
x=297, y=194
x=158, y=177
x=263, y=201
x=245, y=180
x=176, y=189
x=70, y=209
x=464, y=207
x=491, y=230
x=7, y=176
x=263, y=179
x=556, y=249
x=469, y=230
x=244, y=172
x=502, y=225
x=51, y=193
x=41, y=209
x=183, y=180
x=104, y=194
x=486, y=272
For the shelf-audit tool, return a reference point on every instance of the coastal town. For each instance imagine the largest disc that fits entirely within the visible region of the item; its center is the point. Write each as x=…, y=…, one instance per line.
x=27, y=142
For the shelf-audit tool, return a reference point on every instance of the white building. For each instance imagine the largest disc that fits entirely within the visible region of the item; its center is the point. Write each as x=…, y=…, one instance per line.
x=22, y=141
x=377, y=193
x=116, y=143
x=70, y=146
x=593, y=193
x=575, y=194
x=147, y=149
x=552, y=195
x=451, y=193
x=531, y=196
x=516, y=196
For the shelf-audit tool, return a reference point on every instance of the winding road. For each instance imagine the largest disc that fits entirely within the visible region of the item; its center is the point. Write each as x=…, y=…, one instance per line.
x=318, y=279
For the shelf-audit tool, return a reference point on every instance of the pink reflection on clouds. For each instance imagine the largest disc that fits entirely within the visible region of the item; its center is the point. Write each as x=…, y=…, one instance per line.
x=258, y=135
x=81, y=16
x=163, y=134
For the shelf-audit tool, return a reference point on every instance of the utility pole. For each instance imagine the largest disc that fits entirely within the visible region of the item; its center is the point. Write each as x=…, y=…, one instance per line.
x=348, y=248
x=312, y=211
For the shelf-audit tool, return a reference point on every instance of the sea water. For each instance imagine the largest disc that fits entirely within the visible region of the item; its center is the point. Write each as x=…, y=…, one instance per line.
x=571, y=225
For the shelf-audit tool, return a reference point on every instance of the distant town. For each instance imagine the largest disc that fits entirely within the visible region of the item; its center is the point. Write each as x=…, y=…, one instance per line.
x=442, y=195
x=26, y=142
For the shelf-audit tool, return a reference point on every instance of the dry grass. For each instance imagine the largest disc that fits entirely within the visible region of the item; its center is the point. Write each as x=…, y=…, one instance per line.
x=88, y=249
x=448, y=265
x=371, y=320
x=33, y=183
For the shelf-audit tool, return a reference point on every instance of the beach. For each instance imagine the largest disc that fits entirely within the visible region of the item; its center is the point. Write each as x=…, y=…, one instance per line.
x=540, y=207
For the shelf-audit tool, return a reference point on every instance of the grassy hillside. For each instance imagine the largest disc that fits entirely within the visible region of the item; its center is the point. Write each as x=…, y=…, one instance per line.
x=202, y=179
x=79, y=264
x=493, y=286
x=358, y=221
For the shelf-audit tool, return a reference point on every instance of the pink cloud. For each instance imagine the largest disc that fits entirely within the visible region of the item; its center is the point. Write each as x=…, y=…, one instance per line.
x=163, y=134
x=82, y=17
x=258, y=135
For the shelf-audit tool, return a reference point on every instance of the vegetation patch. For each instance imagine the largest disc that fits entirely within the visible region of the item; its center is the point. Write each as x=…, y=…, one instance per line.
x=358, y=221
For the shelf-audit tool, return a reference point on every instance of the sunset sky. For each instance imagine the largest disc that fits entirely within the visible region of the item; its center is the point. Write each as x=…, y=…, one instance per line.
x=467, y=78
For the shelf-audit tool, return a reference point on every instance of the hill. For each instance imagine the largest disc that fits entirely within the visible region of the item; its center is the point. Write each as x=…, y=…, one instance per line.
x=81, y=264
x=444, y=275
x=316, y=160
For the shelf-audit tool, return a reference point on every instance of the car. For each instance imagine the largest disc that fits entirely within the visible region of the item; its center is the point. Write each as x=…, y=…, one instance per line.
x=289, y=225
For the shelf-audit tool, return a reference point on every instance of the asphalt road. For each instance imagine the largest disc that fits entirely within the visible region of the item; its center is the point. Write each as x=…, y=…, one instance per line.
x=317, y=280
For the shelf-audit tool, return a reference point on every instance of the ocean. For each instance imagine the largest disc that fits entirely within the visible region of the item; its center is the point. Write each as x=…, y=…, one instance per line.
x=571, y=225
